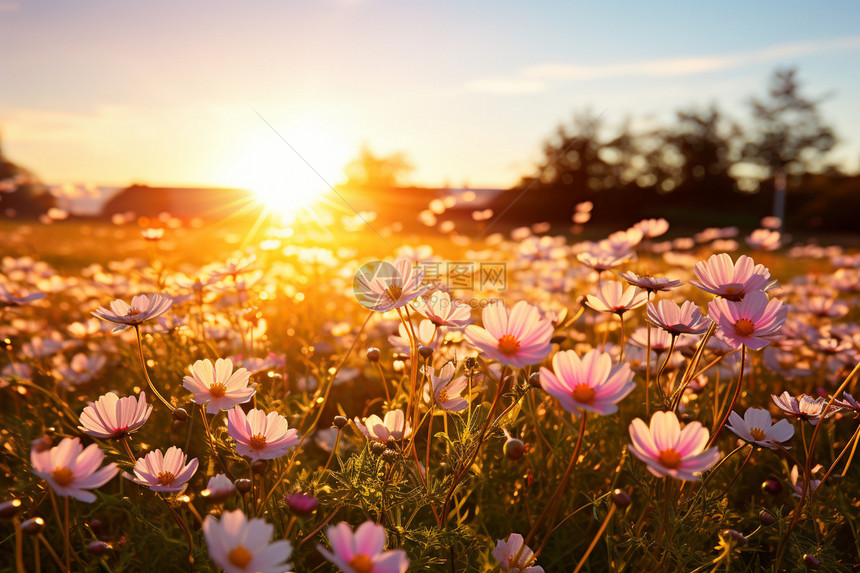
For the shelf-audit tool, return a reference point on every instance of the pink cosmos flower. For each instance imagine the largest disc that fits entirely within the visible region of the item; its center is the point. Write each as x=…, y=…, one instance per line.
x=670, y=451
x=394, y=427
x=239, y=545
x=113, y=417
x=141, y=309
x=514, y=556
x=765, y=239
x=362, y=551
x=649, y=283
x=260, y=436
x=797, y=483
x=757, y=427
x=442, y=311
x=426, y=333
x=218, y=488
x=750, y=322
x=9, y=299
x=389, y=286
x=515, y=339
x=164, y=472
x=446, y=390
x=803, y=407
x=600, y=259
x=217, y=385
x=611, y=297
x=652, y=227
x=591, y=384
x=70, y=469
x=732, y=281
x=674, y=319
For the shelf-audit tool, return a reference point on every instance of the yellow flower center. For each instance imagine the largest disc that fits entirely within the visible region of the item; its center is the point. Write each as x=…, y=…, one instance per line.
x=744, y=327
x=393, y=293
x=132, y=312
x=757, y=434
x=240, y=557
x=217, y=390
x=165, y=478
x=509, y=344
x=669, y=459
x=361, y=563
x=257, y=442
x=583, y=393
x=63, y=476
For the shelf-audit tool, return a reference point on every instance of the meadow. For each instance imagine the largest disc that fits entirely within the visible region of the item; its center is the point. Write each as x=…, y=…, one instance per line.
x=179, y=397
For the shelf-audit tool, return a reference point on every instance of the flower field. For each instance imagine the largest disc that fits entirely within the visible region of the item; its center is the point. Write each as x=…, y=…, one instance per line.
x=195, y=399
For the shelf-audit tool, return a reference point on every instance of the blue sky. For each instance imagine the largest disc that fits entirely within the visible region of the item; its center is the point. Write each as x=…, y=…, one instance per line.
x=167, y=92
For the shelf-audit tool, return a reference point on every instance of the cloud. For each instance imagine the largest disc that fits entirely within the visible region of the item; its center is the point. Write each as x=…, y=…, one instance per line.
x=8, y=6
x=539, y=78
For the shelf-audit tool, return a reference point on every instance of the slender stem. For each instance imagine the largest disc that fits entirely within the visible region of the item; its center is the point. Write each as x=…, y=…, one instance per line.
x=66, y=535
x=621, y=340
x=594, y=541
x=738, y=473
x=19, y=546
x=552, y=505
x=181, y=523
x=51, y=551
x=663, y=367
x=851, y=457
x=128, y=450
x=842, y=453
x=384, y=382
x=734, y=399
x=146, y=372
x=316, y=530
x=211, y=440
x=648, y=371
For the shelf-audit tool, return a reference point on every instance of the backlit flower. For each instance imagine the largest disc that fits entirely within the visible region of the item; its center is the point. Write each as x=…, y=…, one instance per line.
x=389, y=286
x=71, y=470
x=393, y=427
x=757, y=427
x=141, y=309
x=442, y=311
x=261, y=436
x=750, y=322
x=217, y=385
x=218, y=488
x=803, y=407
x=670, y=451
x=722, y=277
x=239, y=545
x=674, y=319
x=113, y=417
x=164, y=472
x=516, y=338
x=362, y=551
x=591, y=384
x=447, y=390
x=514, y=556
x=649, y=283
x=612, y=297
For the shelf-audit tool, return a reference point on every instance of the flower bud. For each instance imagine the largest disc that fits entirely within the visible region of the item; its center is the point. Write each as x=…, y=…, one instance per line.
x=771, y=486
x=470, y=363
x=244, y=485
x=9, y=508
x=377, y=448
x=732, y=536
x=301, y=504
x=620, y=498
x=33, y=526
x=514, y=448
x=373, y=354
x=259, y=467
x=340, y=422
x=811, y=561
x=98, y=547
x=180, y=415
x=534, y=380
x=766, y=517
x=425, y=352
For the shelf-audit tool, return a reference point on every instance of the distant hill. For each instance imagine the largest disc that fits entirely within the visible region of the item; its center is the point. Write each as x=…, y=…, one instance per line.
x=182, y=202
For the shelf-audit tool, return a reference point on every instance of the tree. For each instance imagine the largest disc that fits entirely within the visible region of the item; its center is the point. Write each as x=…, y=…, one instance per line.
x=371, y=170
x=21, y=193
x=790, y=135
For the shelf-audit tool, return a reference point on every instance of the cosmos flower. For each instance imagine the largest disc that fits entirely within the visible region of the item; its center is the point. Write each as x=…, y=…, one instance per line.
x=81, y=369
x=651, y=228
x=750, y=322
x=732, y=281
x=9, y=299
x=765, y=239
x=442, y=311
x=362, y=551
x=514, y=556
x=390, y=286
x=164, y=472
x=516, y=338
x=218, y=488
x=217, y=385
x=446, y=390
x=848, y=402
x=239, y=545
x=757, y=427
x=141, y=309
x=71, y=470
x=602, y=259
x=803, y=407
x=670, y=451
x=674, y=319
x=649, y=283
x=113, y=417
x=260, y=436
x=612, y=297
x=591, y=384
x=425, y=332
x=393, y=427
x=797, y=483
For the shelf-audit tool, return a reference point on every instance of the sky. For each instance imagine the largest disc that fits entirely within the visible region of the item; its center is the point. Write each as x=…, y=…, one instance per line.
x=210, y=93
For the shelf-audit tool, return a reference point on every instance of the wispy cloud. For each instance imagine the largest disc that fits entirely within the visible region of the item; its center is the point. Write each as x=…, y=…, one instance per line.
x=538, y=78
